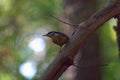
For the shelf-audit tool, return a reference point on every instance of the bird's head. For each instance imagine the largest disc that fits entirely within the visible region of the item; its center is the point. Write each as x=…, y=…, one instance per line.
x=50, y=34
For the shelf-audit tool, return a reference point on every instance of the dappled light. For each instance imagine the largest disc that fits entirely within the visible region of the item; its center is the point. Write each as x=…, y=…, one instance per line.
x=28, y=69
x=37, y=45
x=23, y=49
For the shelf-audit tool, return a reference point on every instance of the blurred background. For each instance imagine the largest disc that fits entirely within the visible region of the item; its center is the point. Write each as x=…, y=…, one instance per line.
x=25, y=53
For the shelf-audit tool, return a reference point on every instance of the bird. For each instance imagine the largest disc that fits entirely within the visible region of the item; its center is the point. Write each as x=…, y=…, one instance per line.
x=58, y=38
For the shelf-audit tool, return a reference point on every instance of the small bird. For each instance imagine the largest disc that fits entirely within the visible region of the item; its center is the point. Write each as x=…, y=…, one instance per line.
x=58, y=38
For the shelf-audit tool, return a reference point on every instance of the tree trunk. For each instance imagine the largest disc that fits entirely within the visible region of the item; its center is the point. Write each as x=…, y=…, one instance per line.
x=88, y=63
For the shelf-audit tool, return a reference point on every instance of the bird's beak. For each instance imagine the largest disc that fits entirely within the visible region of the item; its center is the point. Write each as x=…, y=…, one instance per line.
x=45, y=35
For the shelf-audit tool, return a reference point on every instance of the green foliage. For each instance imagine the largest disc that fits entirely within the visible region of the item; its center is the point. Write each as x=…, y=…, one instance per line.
x=19, y=19
x=109, y=51
x=108, y=43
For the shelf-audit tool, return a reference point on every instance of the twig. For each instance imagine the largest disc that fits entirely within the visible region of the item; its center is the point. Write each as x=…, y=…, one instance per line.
x=64, y=21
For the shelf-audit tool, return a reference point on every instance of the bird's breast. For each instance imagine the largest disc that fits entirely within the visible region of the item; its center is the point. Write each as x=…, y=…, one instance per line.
x=60, y=40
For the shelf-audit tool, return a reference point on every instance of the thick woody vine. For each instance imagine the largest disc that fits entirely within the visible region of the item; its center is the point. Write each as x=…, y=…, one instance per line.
x=82, y=33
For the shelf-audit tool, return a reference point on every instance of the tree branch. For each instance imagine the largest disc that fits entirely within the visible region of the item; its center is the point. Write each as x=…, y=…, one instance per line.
x=76, y=25
x=65, y=58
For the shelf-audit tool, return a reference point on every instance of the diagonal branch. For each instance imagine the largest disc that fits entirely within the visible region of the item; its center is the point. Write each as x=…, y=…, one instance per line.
x=65, y=58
